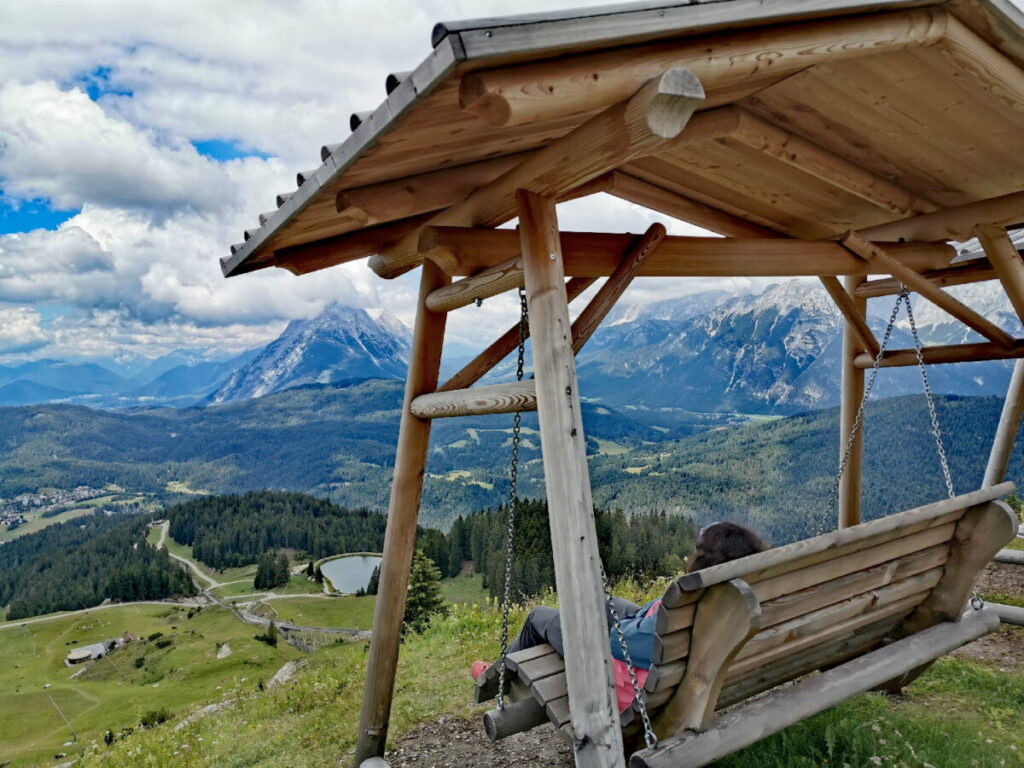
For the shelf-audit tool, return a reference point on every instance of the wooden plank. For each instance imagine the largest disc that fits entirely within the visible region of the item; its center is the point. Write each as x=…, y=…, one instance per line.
x=558, y=712
x=727, y=616
x=808, y=552
x=672, y=620
x=936, y=295
x=1006, y=431
x=766, y=716
x=588, y=667
x=671, y=646
x=638, y=126
x=793, y=604
x=546, y=90
x=640, y=192
x=826, y=655
x=954, y=223
x=537, y=669
x=400, y=534
x=548, y=688
x=477, y=401
x=953, y=353
x=594, y=254
x=808, y=157
x=992, y=72
x=590, y=318
x=483, y=363
x=663, y=676
x=1002, y=254
x=804, y=628
x=513, y=660
x=901, y=607
x=980, y=534
x=851, y=396
x=973, y=271
x=803, y=578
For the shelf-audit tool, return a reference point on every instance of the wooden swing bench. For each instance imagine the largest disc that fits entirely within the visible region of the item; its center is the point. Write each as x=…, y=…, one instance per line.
x=873, y=604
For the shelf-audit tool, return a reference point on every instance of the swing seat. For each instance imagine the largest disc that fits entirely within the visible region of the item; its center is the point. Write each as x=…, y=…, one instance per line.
x=874, y=604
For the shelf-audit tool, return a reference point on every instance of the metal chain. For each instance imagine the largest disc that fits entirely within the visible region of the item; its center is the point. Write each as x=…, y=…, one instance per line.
x=506, y=599
x=859, y=418
x=936, y=430
x=639, y=694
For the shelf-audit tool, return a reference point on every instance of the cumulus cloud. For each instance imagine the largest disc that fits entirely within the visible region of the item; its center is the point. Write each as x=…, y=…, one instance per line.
x=60, y=145
x=21, y=330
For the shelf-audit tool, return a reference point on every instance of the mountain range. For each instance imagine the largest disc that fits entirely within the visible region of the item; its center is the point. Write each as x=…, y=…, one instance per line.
x=772, y=353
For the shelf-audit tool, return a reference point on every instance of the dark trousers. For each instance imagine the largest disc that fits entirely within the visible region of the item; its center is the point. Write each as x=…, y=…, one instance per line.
x=544, y=625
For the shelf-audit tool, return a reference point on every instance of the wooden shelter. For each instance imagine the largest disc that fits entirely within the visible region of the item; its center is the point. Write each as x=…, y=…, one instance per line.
x=848, y=140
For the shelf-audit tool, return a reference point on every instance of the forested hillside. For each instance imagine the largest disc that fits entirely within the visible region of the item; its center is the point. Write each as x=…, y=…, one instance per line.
x=81, y=563
x=228, y=531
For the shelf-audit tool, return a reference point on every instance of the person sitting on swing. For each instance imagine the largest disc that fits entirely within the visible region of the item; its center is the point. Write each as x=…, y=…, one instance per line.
x=716, y=543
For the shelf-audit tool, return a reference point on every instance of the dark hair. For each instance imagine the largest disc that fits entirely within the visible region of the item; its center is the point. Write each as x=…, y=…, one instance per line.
x=721, y=542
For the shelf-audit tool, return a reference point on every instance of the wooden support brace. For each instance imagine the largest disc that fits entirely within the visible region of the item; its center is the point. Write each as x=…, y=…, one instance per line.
x=639, y=126
x=952, y=353
x=937, y=296
x=590, y=318
x=480, y=365
x=1002, y=254
x=856, y=339
x=963, y=273
x=727, y=616
x=1006, y=431
x=476, y=401
x=956, y=223
x=851, y=313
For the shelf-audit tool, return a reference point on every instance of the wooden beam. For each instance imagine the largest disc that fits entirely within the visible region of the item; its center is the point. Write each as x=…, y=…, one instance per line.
x=760, y=135
x=973, y=271
x=953, y=353
x=1006, y=432
x=937, y=296
x=589, y=254
x=478, y=401
x=728, y=615
x=639, y=126
x=958, y=223
x=588, y=669
x=400, y=535
x=480, y=365
x=340, y=249
x=764, y=716
x=1009, y=556
x=855, y=342
x=1002, y=253
x=853, y=313
x=581, y=84
x=640, y=192
x=590, y=318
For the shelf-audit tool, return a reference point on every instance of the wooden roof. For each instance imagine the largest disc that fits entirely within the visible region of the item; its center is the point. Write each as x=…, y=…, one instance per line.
x=821, y=116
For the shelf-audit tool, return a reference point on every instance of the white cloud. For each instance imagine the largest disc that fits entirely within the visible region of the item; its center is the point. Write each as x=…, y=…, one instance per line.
x=21, y=330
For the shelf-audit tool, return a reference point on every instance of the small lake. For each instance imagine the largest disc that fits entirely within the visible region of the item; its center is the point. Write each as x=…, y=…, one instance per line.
x=350, y=574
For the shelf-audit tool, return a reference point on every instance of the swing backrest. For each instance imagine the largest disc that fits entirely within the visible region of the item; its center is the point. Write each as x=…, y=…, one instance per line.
x=731, y=631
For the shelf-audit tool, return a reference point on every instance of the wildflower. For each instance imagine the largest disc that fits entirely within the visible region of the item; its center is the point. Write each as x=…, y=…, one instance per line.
x=875, y=760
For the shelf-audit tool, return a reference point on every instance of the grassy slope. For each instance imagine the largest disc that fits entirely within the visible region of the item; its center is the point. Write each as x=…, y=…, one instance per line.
x=176, y=677
x=958, y=714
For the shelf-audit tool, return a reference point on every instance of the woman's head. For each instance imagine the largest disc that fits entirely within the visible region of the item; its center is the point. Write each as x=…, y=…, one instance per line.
x=721, y=542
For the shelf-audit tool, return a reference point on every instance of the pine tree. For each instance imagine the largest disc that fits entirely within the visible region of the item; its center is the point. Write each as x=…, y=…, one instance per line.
x=424, y=597
x=374, y=585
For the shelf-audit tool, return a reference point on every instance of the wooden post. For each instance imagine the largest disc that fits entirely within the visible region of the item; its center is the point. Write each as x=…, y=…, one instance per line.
x=852, y=393
x=588, y=667
x=403, y=510
x=1006, y=432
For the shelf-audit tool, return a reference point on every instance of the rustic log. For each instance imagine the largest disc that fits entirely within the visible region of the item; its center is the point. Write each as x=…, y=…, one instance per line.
x=973, y=271
x=546, y=90
x=957, y=223
x=1006, y=431
x=478, y=401
x=400, y=535
x=639, y=126
x=1008, y=614
x=591, y=696
x=937, y=296
x=1002, y=254
x=516, y=717
x=1010, y=556
x=851, y=394
x=953, y=353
